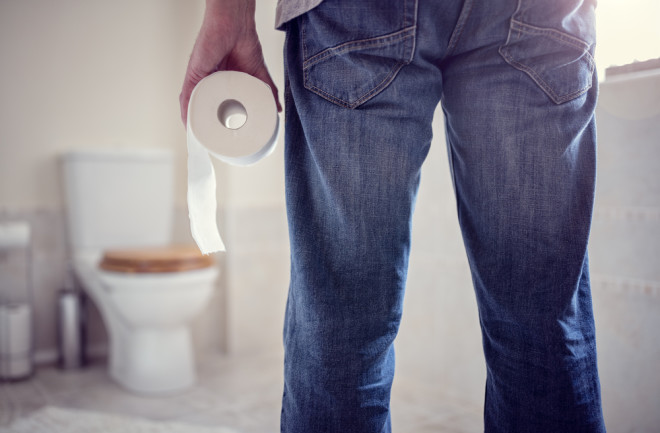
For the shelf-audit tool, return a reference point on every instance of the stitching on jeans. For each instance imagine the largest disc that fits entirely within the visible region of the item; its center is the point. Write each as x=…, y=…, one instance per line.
x=558, y=36
x=452, y=166
x=519, y=13
x=303, y=37
x=410, y=22
x=509, y=33
x=304, y=44
x=563, y=38
x=376, y=42
x=558, y=99
x=381, y=85
x=405, y=14
x=458, y=31
x=405, y=36
x=414, y=24
x=387, y=80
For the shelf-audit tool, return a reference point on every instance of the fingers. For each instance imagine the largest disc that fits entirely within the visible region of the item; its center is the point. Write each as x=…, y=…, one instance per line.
x=193, y=77
x=227, y=41
x=264, y=76
x=210, y=50
x=190, y=81
x=184, y=98
x=250, y=62
x=248, y=57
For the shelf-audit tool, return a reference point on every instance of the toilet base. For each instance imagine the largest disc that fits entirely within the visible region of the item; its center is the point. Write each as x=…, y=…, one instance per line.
x=153, y=361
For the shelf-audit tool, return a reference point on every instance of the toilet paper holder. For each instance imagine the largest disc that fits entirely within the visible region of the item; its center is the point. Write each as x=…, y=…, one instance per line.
x=16, y=318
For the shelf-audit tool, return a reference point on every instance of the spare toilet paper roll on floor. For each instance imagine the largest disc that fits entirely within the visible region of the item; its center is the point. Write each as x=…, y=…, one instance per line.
x=232, y=116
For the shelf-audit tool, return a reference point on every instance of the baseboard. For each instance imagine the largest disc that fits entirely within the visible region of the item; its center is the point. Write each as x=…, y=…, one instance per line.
x=50, y=356
x=44, y=357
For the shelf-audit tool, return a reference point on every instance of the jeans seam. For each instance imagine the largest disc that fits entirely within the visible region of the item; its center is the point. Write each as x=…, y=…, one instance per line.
x=304, y=50
x=558, y=36
x=458, y=31
x=411, y=24
x=303, y=38
x=537, y=78
x=388, y=79
x=405, y=13
x=451, y=157
x=375, y=42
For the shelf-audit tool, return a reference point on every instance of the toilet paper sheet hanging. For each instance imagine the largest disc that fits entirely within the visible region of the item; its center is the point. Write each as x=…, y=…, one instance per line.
x=232, y=116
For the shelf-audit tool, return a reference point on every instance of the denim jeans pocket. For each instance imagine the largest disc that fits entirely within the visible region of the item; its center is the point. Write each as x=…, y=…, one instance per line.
x=560, y=63
x=351, y=72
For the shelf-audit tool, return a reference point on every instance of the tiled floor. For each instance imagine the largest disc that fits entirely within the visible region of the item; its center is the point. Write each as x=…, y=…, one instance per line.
x=240, y=393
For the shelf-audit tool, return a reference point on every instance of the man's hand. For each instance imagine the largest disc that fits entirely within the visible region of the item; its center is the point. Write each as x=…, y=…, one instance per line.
x=227, y=40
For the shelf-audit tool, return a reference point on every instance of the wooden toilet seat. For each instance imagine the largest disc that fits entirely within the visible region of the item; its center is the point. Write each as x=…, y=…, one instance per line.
x=155, y=260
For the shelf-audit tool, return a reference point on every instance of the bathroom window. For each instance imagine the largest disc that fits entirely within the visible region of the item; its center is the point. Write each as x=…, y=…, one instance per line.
x=627, y=31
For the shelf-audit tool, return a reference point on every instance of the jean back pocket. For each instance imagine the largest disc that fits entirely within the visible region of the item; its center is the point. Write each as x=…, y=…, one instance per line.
x=351, y=72
x=560, y=63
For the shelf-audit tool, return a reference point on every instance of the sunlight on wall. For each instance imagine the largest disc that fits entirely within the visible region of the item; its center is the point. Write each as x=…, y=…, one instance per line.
x=627, y=30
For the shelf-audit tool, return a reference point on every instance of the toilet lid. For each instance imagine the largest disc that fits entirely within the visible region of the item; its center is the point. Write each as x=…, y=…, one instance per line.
x=155, y=259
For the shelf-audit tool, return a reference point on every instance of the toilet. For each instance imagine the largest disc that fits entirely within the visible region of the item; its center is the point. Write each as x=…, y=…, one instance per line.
x=119, y=206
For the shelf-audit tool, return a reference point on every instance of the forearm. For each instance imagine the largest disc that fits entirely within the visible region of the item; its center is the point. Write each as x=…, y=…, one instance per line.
x=219, y=7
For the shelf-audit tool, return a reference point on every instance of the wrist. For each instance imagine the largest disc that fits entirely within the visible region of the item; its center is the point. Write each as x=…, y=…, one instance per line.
x=230, y=7
x=234, y=16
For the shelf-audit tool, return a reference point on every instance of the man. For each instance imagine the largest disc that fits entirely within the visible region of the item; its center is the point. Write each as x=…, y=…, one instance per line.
x=516, y=82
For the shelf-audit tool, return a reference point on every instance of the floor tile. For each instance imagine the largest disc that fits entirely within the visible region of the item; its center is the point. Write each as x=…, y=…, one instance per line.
x=54, y=380
x=23, y=392
x=468, y=422
x=114, y=399
x=243, y=393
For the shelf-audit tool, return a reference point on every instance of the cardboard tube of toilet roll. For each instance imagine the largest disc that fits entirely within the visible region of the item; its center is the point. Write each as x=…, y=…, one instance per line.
x=232, y=116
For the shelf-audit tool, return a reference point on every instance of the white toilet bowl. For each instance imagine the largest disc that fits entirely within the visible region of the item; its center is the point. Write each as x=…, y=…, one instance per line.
x=122, y=198
x=147, y=315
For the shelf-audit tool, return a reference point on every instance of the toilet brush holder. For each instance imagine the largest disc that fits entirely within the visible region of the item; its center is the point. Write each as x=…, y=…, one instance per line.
x=70, y=329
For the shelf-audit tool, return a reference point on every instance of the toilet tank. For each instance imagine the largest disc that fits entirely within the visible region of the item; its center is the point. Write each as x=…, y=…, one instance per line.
x=118, y=197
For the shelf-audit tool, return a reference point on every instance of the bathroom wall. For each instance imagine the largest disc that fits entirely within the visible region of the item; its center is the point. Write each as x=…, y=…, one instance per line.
x=107, y=74
x=257, y=268
x=88, y=74
x=625, y=250
x=439, y=340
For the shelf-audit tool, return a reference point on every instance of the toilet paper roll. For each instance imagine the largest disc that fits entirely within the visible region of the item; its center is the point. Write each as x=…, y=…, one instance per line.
x=232, y=116
x=15, y=329
x=15, y=341
x=14, y=235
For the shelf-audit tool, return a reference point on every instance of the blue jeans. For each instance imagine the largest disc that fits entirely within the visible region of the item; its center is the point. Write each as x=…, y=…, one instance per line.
x=517, y=86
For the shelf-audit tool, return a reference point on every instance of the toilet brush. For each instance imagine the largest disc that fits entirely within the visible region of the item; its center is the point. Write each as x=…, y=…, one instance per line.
x=70, y=325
